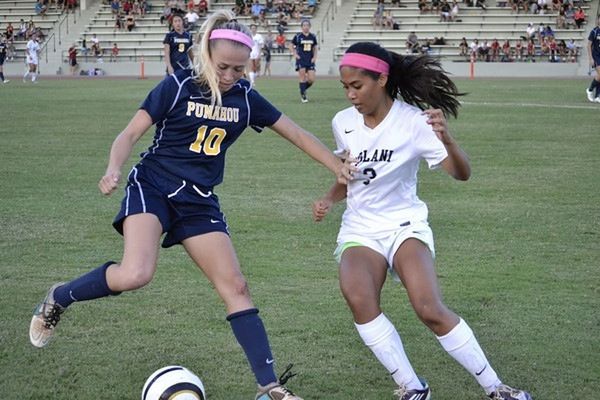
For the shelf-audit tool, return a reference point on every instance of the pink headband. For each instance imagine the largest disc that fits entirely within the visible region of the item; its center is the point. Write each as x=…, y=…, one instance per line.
x=232, y=34
x=359, y=60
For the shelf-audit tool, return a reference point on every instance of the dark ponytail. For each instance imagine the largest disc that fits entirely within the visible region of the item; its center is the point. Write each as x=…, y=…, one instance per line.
x=421, y=81
x=418, y=80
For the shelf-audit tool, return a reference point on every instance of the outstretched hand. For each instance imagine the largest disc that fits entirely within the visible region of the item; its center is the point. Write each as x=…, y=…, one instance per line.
x=109, y=183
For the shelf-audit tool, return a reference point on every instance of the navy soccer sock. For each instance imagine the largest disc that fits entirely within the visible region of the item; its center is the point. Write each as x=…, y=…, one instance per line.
x=308, y=85
x=1, y=76
x=593, y=85
x=90, y=286
x=252, y=336
x=303, y=87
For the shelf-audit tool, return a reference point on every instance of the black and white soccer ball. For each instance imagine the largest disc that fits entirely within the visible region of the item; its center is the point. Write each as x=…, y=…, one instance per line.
x=173, y=383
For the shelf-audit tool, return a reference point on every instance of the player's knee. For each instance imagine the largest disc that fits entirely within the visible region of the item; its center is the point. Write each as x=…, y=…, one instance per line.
x=239, y=287
x=137, y=276
x=431, y=313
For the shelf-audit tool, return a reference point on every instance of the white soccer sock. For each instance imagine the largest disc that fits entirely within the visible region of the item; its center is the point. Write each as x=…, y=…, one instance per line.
x=462, y=345
x=25, y=76
x=33, y=76
x=384, y=341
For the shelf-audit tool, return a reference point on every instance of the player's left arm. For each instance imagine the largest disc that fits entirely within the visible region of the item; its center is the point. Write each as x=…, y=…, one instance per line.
x=457, y=163
x=312, y=146
x=315, y=51
x=191, y=54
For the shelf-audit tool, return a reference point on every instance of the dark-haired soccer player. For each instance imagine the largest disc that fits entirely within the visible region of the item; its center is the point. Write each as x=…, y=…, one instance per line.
x=177, y=47
x=305, y=49
x=594, y=56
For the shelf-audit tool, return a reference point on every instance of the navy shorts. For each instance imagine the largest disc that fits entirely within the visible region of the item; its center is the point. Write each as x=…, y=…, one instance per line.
x=183, y=209
x=307, y=66
x=596, y=58
x=2, y=60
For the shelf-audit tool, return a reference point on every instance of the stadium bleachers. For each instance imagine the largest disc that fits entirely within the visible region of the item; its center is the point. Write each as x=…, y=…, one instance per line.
x=495, y=22
x=14, y=11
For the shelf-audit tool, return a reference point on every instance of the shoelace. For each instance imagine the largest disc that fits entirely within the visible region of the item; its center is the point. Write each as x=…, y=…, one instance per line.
x=53, y=315
x=285, y=376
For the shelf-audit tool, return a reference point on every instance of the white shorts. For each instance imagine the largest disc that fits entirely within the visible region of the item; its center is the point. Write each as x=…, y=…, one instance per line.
x=255, y=56
x=388, y=245
x=32, y=60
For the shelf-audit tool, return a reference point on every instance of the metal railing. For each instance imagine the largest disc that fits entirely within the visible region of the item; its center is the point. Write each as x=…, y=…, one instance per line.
x=329, y=16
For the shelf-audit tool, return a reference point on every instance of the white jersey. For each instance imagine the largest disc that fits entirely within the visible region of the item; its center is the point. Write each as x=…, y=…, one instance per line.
x=385, y=195
x=33, y=47
x=258, y=43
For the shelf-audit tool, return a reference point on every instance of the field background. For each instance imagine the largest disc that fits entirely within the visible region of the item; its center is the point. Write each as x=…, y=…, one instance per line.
x=518, y=249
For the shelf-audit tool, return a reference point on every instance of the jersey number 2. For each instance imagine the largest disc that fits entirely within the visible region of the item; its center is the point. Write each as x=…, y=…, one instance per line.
x=212, y=145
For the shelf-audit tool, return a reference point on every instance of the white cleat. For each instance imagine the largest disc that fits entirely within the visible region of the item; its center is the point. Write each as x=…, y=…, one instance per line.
x=45, y=317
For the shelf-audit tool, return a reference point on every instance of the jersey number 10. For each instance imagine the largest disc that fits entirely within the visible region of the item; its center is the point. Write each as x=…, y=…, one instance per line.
x=212, y=145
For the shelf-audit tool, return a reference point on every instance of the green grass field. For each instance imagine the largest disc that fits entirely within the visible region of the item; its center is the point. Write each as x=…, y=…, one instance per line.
x=517, y=250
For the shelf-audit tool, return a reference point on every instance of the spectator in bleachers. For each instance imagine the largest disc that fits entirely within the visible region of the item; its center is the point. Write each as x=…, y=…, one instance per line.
x=177, y=46
x=202, y=8
x=412, y=43
x=191, y=5
x=445, y=10
x=531, y=50
x=129, y=22
x=579, y=17
x=519, y=50
x=561, y=20
x=282, y=22
x=296, y=10
x=262, y=19
x=311, y=6
x=569, y=15
x=191, y=19
x=40, y=8
x=562, y=50
x=115, y=7
x=483, y=52
x=542, y=7
x=548, y=32
x=481, y=4
x=114, y=53
x=280, y=42
x=127, y=7
x=388, y=19
x=556, y=5
x=118, y=23
x=83, y=48
x=72, y=54
x=435, y=6
x=166, y=15
x=95, y=44
x=255, y=10
x=31, y=29
x=144, y=7
x=426, y=48
x=9, y=31
x=270, y=6
x=530, y=31
x=553, y=49
x=22, y=32
x=423, y=6
x=378, y=14
x=463, y=47
x=572, y=50
x=506, y=52
x=494, y=50
x=454, y=11
x=474, y=49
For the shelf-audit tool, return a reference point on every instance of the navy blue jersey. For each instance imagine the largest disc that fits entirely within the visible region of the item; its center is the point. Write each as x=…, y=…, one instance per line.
x=179, y=44
x=192, y=136
x=305, y=47
x=3, y=47
x=594, y=37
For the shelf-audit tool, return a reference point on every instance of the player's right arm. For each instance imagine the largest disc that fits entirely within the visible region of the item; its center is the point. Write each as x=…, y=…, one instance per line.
x=589, y=49
x=121, y=150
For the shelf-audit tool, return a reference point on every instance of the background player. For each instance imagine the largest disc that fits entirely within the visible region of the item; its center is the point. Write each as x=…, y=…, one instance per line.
x=177, y=46
x=255, y=54
x=198, y=114
x=385, y=224
x=31, y=58
x=3, y=49
x=593, y=48
x=305, y=49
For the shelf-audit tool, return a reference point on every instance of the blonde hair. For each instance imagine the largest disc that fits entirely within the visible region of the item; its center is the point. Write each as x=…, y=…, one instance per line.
x=206, y=73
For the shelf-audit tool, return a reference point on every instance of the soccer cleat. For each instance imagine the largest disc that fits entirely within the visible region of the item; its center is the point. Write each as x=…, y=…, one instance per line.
x=414, y=394
x=590, y=94
x=276, y=390
x=304, y=98
x=5, y=81
x=504, y=392
x=45, y=317
x=597, y=99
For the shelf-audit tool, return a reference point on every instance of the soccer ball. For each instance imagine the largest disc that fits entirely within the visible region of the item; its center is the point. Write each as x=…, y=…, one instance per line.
x=173, y=383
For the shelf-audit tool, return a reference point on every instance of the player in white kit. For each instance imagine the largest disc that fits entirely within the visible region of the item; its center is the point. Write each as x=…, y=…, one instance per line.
x=32, y=50
x=385, y=224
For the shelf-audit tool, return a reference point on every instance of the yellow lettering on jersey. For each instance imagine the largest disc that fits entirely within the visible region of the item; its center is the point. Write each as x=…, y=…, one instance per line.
x=216, y=113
